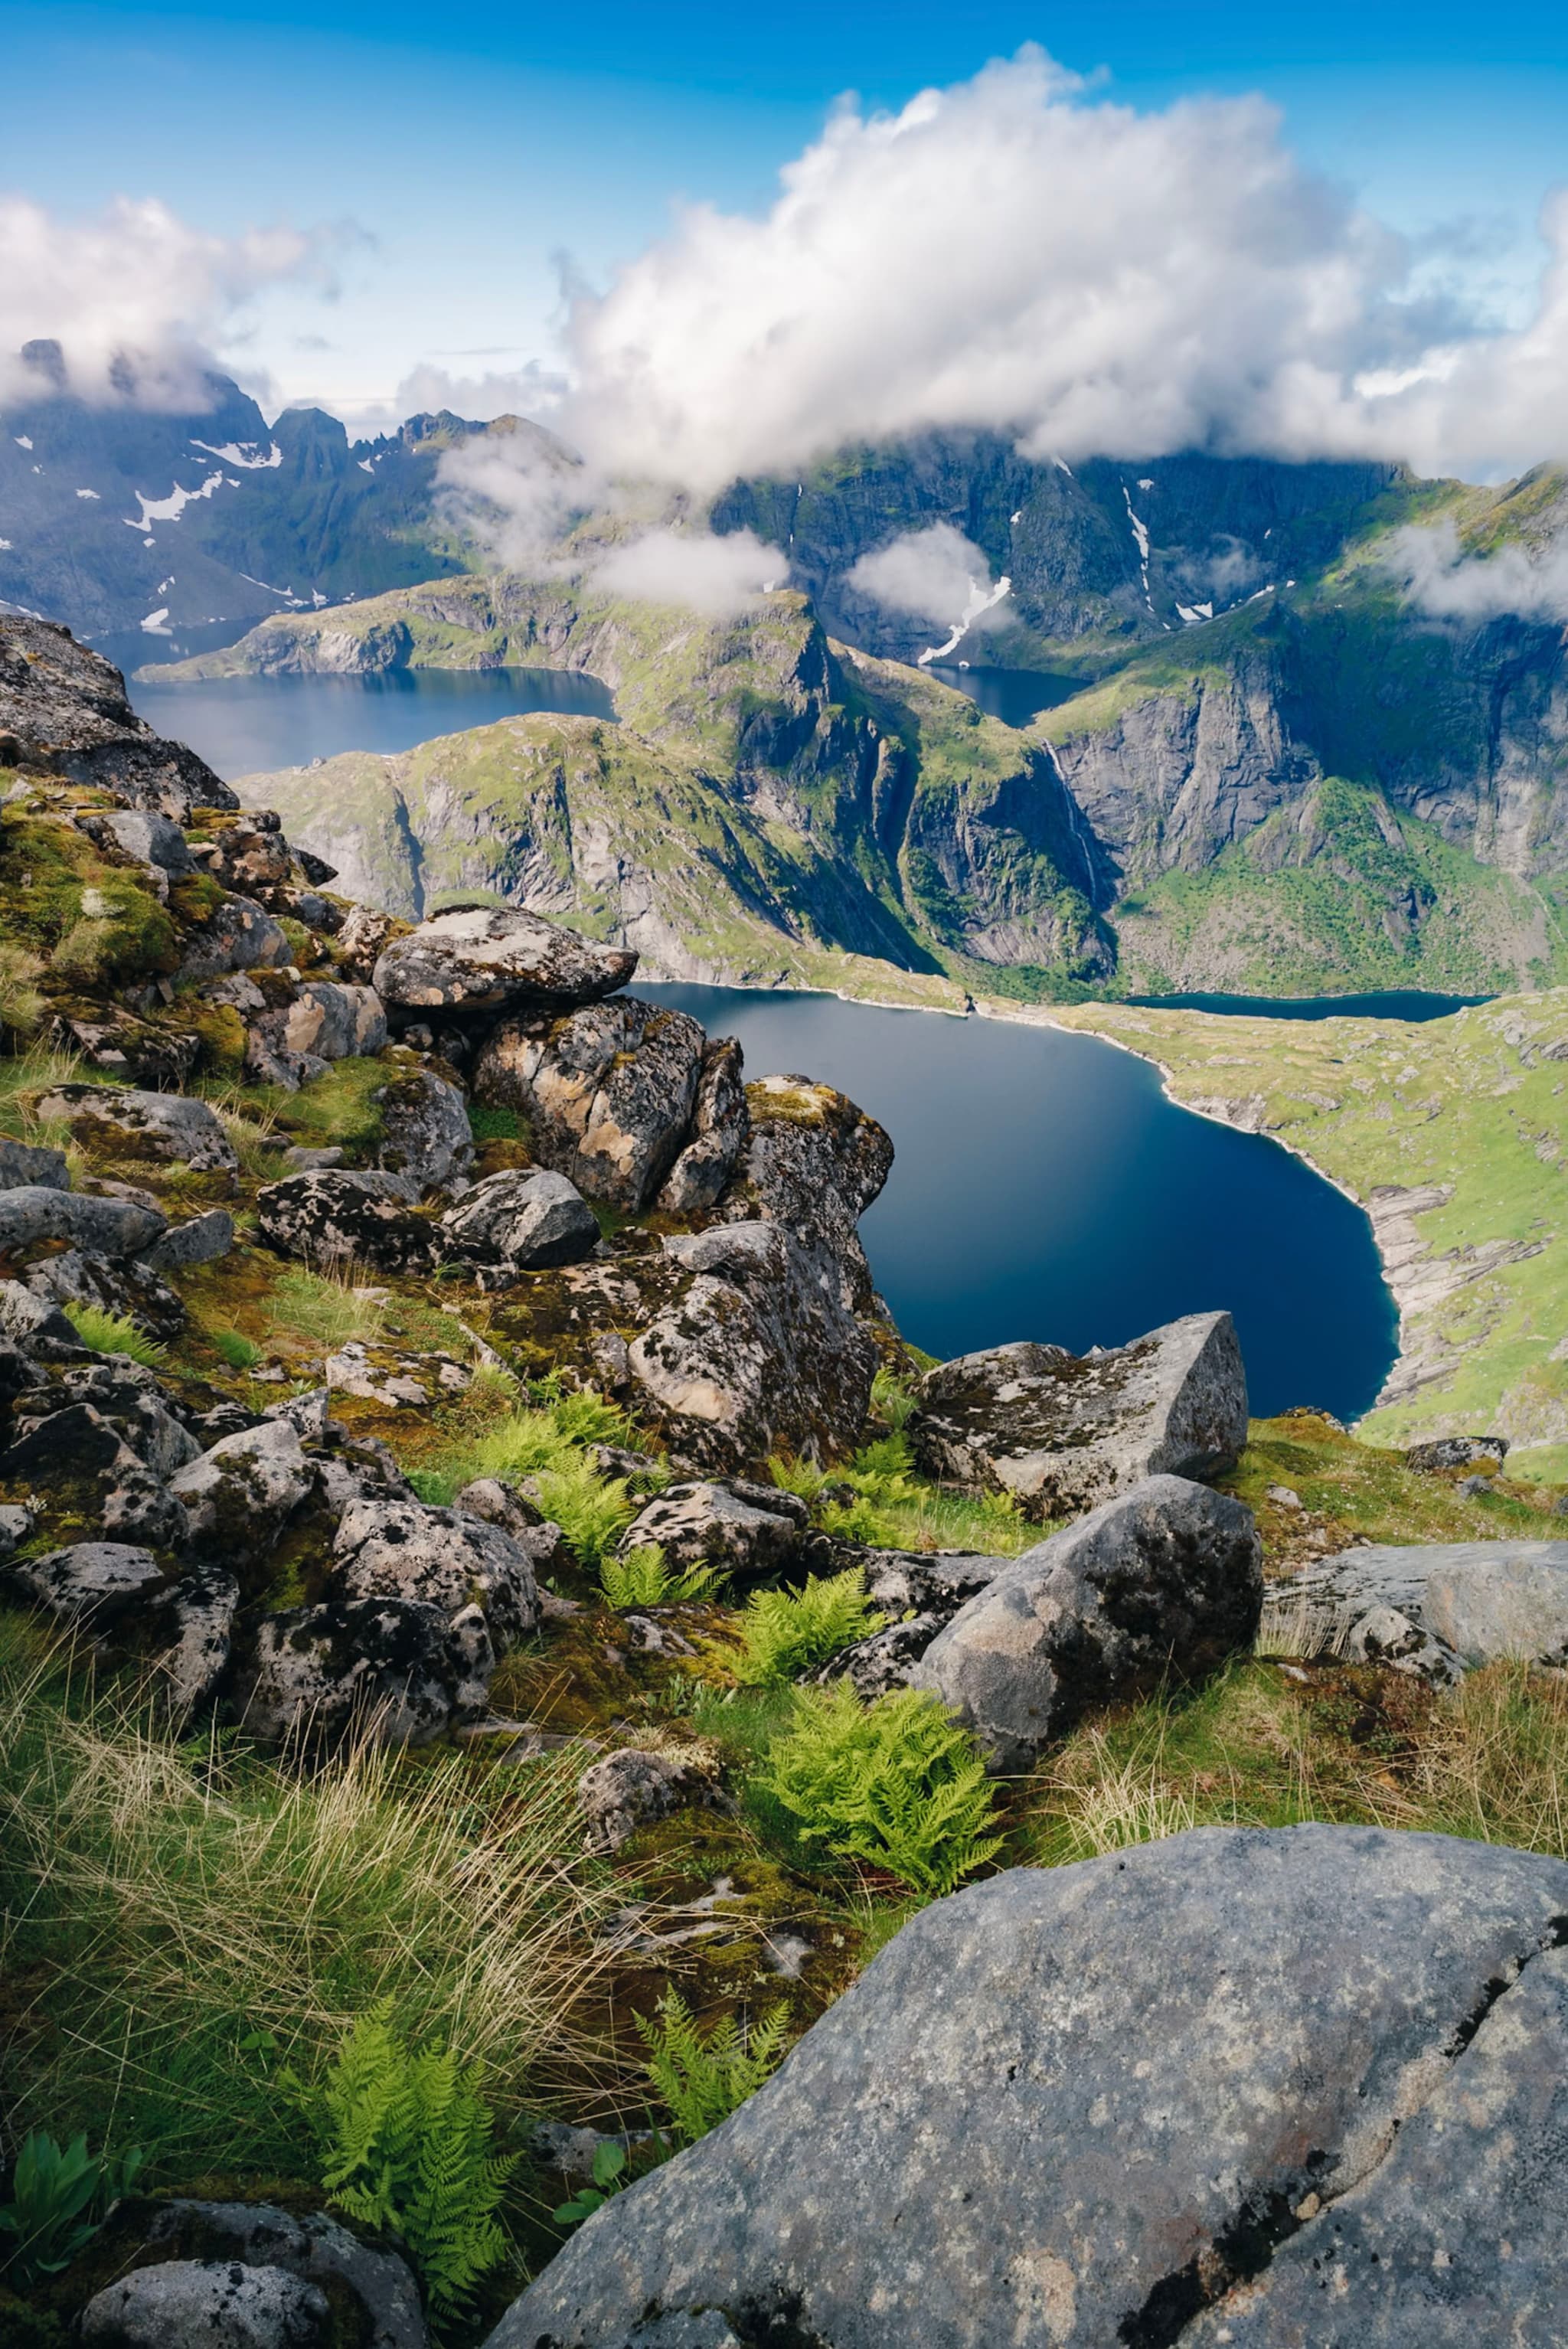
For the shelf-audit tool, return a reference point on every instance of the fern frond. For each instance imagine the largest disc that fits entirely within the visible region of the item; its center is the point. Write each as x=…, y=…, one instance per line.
x=785, y=1633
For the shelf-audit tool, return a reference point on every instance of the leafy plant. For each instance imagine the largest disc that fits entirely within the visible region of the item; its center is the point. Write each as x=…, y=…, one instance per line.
x=403, y=2137
x=592, y=1511
x=609, y=2178
x=892, y=1400
x=785, y=1633
x=704, y=2075
x=114, y=1333
x=55, y=2191
x=489, y=1123
x=643, y=1579
x=238, y=1351
x=897, y=1785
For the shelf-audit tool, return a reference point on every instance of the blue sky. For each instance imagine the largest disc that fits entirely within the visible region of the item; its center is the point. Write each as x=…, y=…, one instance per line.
x=459, y=150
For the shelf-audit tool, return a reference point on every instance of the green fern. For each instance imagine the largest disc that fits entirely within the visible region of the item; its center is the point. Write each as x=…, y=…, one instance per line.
x=115, y=1333
x=404, y=2139
x=704, y=2075
x=897, y=1785
x=785, y=1633
x=643, y=1579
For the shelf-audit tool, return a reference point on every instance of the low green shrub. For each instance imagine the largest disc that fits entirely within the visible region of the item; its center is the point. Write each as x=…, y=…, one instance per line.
x=897, y=1785
x=115, y=1333
x=489, y=1123
x=240, y=1354
x=643, y=1578
x=705, y=2075
x=785, y=1633
x=403, y=2137
x=59, y=2197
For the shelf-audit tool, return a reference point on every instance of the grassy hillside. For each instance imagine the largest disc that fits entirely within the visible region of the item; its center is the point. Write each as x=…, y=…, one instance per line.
x=1454, y=1134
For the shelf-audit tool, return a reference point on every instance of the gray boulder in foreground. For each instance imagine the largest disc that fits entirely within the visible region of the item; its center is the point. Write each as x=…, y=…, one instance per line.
x=1306, y=2088
x=522, y=1220
x=1168, y=1577
x=1433, y=1609
x=1064, y=1432
x=208, y=2304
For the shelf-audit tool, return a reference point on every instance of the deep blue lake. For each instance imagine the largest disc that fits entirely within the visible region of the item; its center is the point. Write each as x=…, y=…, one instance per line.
x=1013, y=695
x=1046, y=1188
x=252, y=725
x=1396, y=1003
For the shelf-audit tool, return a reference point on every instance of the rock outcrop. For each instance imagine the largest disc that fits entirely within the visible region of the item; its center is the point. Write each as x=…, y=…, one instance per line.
x=1290, y=2088
x=478, y=962
x=1435, y=1608
x=608, y=1092
x=1064, y=1432
x=64, y=711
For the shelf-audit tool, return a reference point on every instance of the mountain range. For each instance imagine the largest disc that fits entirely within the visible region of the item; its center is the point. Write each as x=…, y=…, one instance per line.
x=1269, y=762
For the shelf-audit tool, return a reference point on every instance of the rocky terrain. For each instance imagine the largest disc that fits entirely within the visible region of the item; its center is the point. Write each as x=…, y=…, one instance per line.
x=499, y=1632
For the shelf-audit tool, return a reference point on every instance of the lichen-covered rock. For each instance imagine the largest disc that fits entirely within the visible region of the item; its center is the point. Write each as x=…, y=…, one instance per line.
x=201, y=1239
x=1064, y=1432
x=240, y=936
x=24, y=1166
x=631, y=1789
x=247, y=854
x=136, y=1051
x=608, y=1091
x=881, y=1661
x=399, y=1381
x=377, y=2284
x=32, y=1212
x=184, y=1635
x=426, y=1137
x=1446, y=1452
x=1165, y=1579
x=1433, y=1609
x=130, y=1124
x=813, y=1163
x=404, y=1549
x=126, y=1394
x=394, y=1668
x=239, y=1495
x=131, y=1287
x=720, y=1125
x=363, y=937
x=325, y=1022
x=64, y=711
x=486, y=959
x=522, y=1220
x=758, y=1354
x=747, y=1531
x=78, y=1462
x=1300, y=2089
x=332, y=1216
x=208, y=2304
x=89, y=1585
x=153, y=839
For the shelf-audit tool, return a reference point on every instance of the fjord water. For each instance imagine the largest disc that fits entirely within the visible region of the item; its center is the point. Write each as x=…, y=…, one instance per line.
x=1045, y=1188
x=252, y=725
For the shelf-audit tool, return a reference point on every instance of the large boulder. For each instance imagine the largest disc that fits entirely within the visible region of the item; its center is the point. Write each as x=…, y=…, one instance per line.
x=1303, y=2088
x=1064, y=1432
x=208, y=2304
x=633, y=1789
x=331, y=1218
x=238, y=935
x=89, y=1585
x=324, y=1022
x=758, y=1354
x=1432, y=1609
x=240, y=1494
x=426, y=1137
x=720, y=1125
x=1167, y=1577
x=32, y=1212
x=404, y=1549
x=746, y=1531
x=608, y=1091
x=64, y=711
x=125, y=1123
x=521, y=1220
x=393, y=1668
x=917, y=1592
x=813, y=1163
x=484, y=959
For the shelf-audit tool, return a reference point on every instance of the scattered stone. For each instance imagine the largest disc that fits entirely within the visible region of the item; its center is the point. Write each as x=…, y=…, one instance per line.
x=15, y=1525
x=330, y=1218
x=426, y=1137
x=240, y=935
x=404, y=1549
x=313, y=2247
x=89, y=1584
x=201, y=1240
x=720, y=1127
x=631, y=1789
x=151, y=838
x=24, y=1167
x=185, y=1635
x=499, y=1505
x=747, y=1531
x=1064, y=1432
x=482, y=959
x=1434, y=1608
x=239, y=1495
x=324, y=1022
x=608, y=1091
x=1445, y=1452
x=208, y=2304
x=1167, y=1577
x=311, y=1162
x=522, y=1221
x=1284, y=1497
x=32, y=1212
x=131, y=1289
x=398, y=1381
x=129, y=1397
x=396, y=1669
x=365, y=936
x=1277, y=2088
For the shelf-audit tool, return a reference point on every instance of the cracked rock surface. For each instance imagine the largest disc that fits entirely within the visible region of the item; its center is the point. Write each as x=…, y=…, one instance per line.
x=1129, y=2103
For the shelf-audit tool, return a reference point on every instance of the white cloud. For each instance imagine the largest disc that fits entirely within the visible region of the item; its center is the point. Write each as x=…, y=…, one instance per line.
x=697, y=571
x=1010, y=253
x=136, y=297
x=1438, y=577
x=934, y=573
x=533, y=392
x=518, y=491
